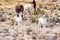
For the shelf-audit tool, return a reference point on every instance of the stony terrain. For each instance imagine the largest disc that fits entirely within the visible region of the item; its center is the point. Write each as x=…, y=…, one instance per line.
x=29, y=29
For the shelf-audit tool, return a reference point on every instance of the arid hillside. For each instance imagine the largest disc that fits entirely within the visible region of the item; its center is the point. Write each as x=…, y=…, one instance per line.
x=26, y=1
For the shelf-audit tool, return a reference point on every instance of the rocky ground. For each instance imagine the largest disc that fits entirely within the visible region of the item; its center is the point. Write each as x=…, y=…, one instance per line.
x=29, y=29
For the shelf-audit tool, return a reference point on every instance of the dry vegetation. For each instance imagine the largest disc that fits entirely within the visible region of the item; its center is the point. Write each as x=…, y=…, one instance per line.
x=30, y=30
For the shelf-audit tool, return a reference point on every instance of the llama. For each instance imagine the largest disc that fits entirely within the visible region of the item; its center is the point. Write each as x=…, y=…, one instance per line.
x=19, y=19
x=42, y=22
x=28, y=7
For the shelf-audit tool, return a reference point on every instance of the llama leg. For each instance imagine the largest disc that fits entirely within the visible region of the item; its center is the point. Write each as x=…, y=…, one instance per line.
x=14, y=24
x=19, y=26
x=44, y=26
x=39, y=25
